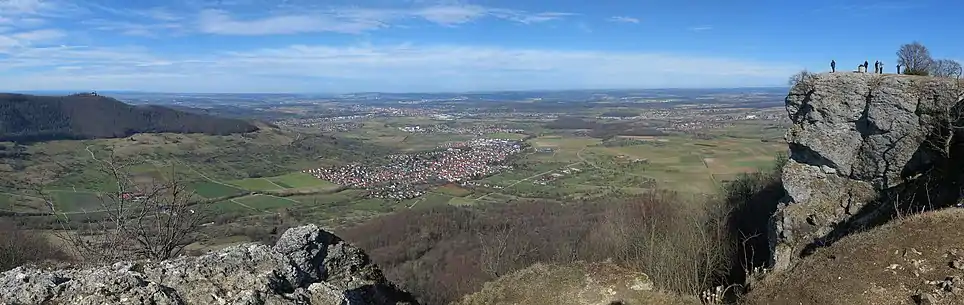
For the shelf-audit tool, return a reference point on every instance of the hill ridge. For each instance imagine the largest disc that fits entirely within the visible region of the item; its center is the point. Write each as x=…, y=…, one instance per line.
x=35, y=118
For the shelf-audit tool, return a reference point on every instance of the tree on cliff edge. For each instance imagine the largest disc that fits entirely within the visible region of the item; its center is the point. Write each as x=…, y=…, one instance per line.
x=915, y=58
x=946, y=68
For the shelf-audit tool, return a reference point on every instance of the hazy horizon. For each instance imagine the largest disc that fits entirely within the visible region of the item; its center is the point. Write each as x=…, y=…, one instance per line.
x=449, y=46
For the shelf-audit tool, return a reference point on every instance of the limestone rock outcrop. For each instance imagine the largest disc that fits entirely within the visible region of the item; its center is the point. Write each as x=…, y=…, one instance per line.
x=579, y=283
x=306, y=266
x=853, y=137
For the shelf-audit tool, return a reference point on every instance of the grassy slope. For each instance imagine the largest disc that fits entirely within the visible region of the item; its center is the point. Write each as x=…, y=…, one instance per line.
x=885, y=265
x=195, y=158
x=574, y=284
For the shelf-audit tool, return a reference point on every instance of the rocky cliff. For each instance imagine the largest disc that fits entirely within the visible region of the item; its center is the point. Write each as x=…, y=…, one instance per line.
x=858, y=143
x=306, y=266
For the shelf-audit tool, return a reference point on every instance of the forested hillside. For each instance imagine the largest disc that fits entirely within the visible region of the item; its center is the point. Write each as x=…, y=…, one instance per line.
x=30, y=118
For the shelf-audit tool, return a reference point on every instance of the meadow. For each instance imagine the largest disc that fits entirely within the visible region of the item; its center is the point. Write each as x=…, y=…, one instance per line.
x=259, y=174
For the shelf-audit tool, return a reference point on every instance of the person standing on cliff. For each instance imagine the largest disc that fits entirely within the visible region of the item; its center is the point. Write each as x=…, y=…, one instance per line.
x=833, y=66
x=898, y=68
x=866, y=66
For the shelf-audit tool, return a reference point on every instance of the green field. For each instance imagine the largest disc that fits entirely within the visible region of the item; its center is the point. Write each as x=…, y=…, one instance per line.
x=209, y=189
x=300, y=180
x=266, y=202
x=77, y=201
x=21, y=204
x=453, y=190
x=255, y=184
x=459, y=201
x=505, y=135
x=223, y=166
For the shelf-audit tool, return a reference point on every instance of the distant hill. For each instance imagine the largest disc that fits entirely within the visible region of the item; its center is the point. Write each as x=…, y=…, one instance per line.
x=33, y=118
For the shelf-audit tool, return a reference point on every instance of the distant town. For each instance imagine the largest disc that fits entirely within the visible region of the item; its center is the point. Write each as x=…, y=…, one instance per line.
x=406, y=176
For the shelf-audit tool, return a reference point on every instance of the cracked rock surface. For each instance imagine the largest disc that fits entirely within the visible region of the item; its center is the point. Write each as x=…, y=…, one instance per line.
x=306, y=266
x=853, y=136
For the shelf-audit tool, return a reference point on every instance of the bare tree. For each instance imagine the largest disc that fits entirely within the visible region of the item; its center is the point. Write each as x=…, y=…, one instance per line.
x=503, y=250
x=915, y=58
x=799, y=77
x=946, y=68
x=153, y=220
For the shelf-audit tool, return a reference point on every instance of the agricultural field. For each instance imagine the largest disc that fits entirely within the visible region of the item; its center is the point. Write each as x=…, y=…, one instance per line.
x=505, y=135
x=265, y=202
x=680, y=162
x=255, y=174
x=255, y=184
x=299, y=180
x=69, y=201
x=208, y=189
x=453, y=190
x=16, y=203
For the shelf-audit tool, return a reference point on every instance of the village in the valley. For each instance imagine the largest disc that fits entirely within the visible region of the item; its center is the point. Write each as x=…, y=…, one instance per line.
x=406, y=176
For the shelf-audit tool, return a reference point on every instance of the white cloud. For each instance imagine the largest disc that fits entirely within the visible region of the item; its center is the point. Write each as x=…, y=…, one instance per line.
x=358, y=20
x=24, y=13
x=623, y=19
x=448, y=15
x=219, y=22
x=14, y=7
x=379, y=68
x=701, y=28
x=25, y=39
x=161, y=14
x=39, y=35
x=155, y=29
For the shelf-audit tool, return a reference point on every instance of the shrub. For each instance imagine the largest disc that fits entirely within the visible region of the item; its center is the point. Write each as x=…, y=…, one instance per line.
x=18, y=247
x=802, y=76
x=916, y=72
x=752, y=199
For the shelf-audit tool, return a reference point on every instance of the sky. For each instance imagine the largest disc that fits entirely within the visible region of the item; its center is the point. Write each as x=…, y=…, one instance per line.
x=337, y=46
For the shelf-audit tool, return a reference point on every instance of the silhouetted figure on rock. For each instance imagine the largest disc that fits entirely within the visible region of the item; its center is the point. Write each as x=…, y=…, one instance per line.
x=898, y=68
x=833, y=66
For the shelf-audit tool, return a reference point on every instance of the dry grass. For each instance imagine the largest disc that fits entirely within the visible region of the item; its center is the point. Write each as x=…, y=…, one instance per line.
x=574, y=284
x=887, y=265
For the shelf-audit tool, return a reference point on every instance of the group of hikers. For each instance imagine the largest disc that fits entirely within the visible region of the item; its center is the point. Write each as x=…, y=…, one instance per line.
x=878, y=67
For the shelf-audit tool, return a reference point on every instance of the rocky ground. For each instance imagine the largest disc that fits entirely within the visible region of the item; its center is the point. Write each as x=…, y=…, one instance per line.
x=917, y=260
x=306, y=266
x=575, y=284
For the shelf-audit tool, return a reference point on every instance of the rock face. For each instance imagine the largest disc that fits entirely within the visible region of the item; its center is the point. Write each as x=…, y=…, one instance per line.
x=306, y=266
x=854, y=136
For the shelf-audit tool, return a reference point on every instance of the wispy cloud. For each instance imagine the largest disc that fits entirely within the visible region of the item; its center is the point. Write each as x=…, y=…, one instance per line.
x=387, y=67
x=24, y=13
x=623, y=19
x=150, y=29
x=358, y=20
x=701, y=28
x=14, y=7
x=23, y=39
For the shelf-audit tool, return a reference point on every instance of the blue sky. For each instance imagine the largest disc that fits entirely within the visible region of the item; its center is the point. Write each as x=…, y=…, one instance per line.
x=443, y=45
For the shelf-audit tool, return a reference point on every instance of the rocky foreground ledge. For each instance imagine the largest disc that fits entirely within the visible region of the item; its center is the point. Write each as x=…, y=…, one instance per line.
x=306, y=266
